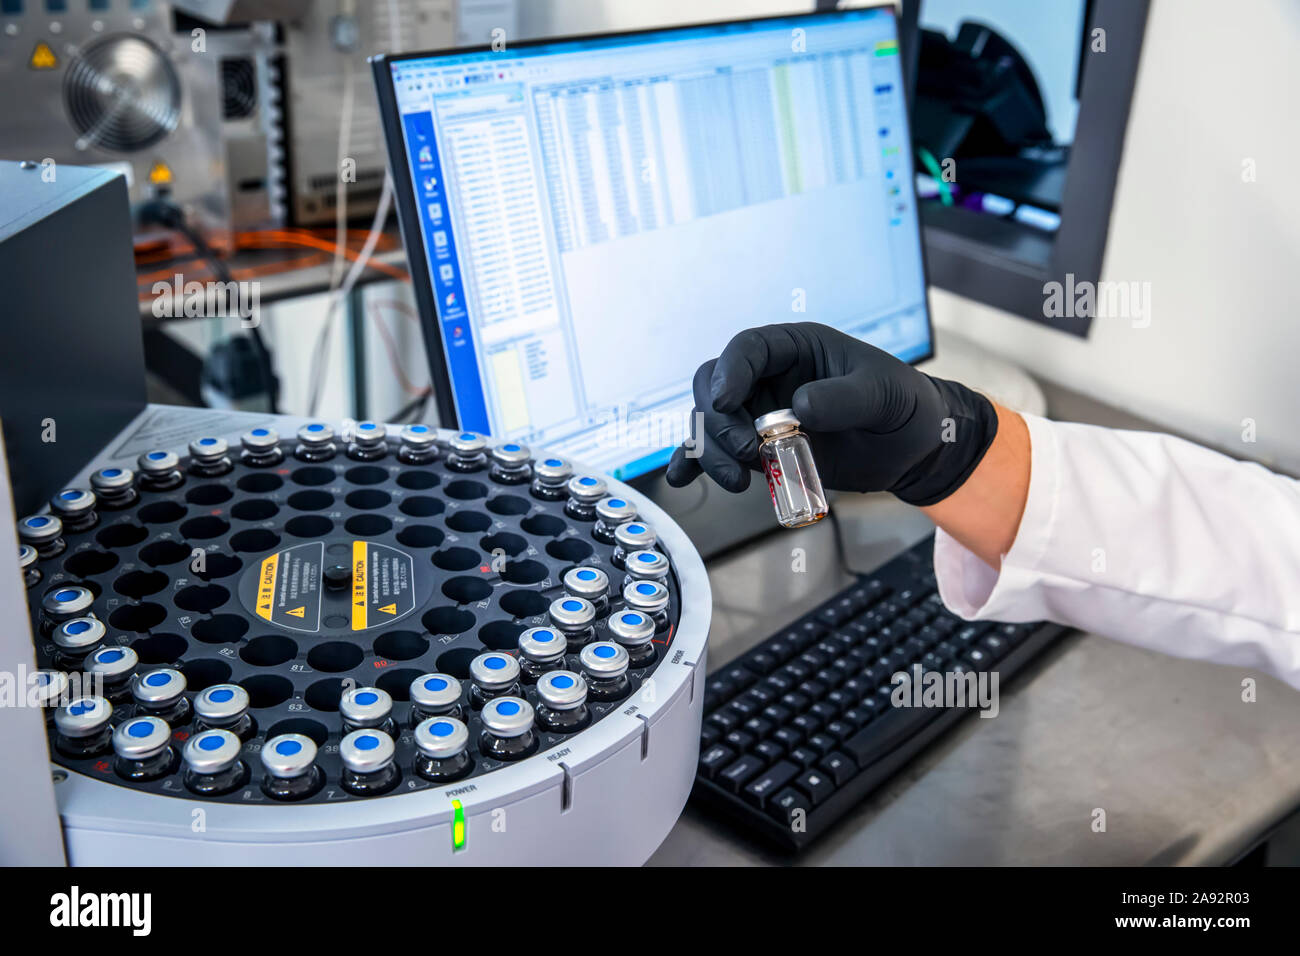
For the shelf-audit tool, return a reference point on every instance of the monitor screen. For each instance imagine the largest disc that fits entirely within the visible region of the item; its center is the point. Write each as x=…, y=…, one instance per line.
x=591, y=218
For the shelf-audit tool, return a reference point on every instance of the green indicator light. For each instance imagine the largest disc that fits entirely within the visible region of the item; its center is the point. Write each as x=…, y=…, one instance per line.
x=457, y=825
x=886, y=48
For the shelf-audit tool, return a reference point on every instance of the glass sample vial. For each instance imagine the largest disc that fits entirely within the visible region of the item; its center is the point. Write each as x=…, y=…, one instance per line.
x=562, y=707
x=27, y=558
x=76, y=639
x=494, y=675
x=511, y=464
x=434, y=695
x=290, y=764
x=368, y=765
x=648, y=597
x=610, y=513
x=508, y=729
x=367, y=708
x=584, y=493
x=604, y=664
x=575, y=617
x=143, y=748
x=161, y=693
x=419, y=445
x=315, y=443
x=114, y=666
x=590, y=584
x=63, y=604
x=792, y=478
x=440, y=743
x=159, y=470
x=75, y=508
x=212, y=764
x=210, y=457
x=635, y=633
x=369, y=442
x=225, y=707
x=81, y=727
x=631, y=536
x=645, y=565
x=115, y=488
x=541, y=649
x=260, y=448
x=49, y=691
x=467, y=451
x=44, y=533
x=550, y=479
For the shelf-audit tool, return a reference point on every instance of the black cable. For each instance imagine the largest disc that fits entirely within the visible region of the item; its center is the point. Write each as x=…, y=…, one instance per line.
x=414, y=407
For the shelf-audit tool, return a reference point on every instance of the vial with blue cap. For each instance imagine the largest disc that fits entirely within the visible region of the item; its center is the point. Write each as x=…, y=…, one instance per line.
x=611, y=512
x=260, y=447
x=576, y=617
x=467, y=451
x=289, y=768
x=646, y=565
x=508, y=729
x=143, y=748
x=27, y=558
x=212, y=764
x=551, y=476
x=441, y=745
x=635, y=633
x=585, y=492
x=159, y=470
x=81, y=727
x=49, y=690
x=161, y=693
x=541, y=649
x=494, y=674
x=435, y=695
x=562, y=702
x=650, y=598
x=76, y=639
x=44, y=533
x=369, y=764
x=419, y=445
x=605, y=664
x=114, y=666
x=76, y=509
x=225, y=707
x=369, y=442
x=631, y=536
x=315, y=442
x=63, y=603
x=210, y=457
x=511, y=463
x=367, y=708
x=590, y=584
x=114, y=488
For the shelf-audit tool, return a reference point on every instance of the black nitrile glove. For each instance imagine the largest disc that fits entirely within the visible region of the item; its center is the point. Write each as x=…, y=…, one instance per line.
x=874, y=422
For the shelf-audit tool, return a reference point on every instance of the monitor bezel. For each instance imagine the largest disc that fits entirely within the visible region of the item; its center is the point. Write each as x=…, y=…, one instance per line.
x=408, y=217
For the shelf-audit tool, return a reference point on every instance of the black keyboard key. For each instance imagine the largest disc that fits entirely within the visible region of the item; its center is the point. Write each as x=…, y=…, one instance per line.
x=996, y=645
x=740, y=677
x=717, y=691
x=781, y=651
x=739, y=740
x=790, y=808
x=739, y=773
x=777, y=713
x=857, y=716
x=839, y=729
x=769, y=782
x=886, y=733
x=761, y=695
x=795, y=701
x=724, y=721
x=813, y=690
x=840, y=766
x=824, y=710
x=762, y=662
x=822, y=743
x=769, y=750
x=804, y=756
x=788, y=737
x=709, y=735
x=780, y=683
x=817, y=784
x=713, y=759
x=758, y=726
x=807, y=723
x=979, y=658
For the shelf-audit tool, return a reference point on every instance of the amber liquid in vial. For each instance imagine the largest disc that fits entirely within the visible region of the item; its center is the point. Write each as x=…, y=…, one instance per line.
x=792, y=478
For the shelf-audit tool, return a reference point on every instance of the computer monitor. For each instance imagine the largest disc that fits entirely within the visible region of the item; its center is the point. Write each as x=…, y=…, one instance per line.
x=590, y=218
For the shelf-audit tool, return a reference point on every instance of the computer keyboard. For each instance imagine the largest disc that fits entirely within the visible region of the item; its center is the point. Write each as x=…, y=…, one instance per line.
x=800, y=728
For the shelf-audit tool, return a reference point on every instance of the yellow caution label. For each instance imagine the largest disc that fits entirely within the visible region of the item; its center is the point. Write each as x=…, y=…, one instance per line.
x=360, y=601
x=266, y=586
x=389, y=609
x=160, y=174
x=43, y=57
x=297, y=612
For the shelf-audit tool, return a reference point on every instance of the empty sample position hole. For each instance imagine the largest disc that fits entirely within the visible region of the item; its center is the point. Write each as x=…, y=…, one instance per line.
x=219, y=629
x=159, y=554
x=397, y=682
x=260, y=483
x=160, y=648
x=500, y=635
x=368, y=499
x=417, y=480
x=401, y=645
x=208, y=495
x=524, y=603
x=254, y=540
x=267, y=690
x=456, y=661
x=138, y=617
x=334, y=657
x=308, y=526
x=254, y=509
x=367, y=525
x=204, y=527
x=572, y=550
x=161, y=512
x=310, y=500
x=269, y=650
x=218, y=565
x=447, y=620
x=420, y=536
x=504, y=541
x=456, y=559
x=366, y=475
x=123, y=534
x=422, y=506
x=527, y=571
x=203, y=672
x=544, y=525
x=313, y=476
x=467, y=590
x=92, y=561
x=468, y=522
x=509, y=505
x=324, y=694
x=312, y=729
x=201, y=599
x=462, y=489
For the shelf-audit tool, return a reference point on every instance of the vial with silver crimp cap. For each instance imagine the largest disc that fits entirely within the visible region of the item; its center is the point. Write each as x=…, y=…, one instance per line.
x=75, y=508
x=511, y=463
x=367, y=708
x=114, y=666
x=290, y=764
x=44, y=533
x=648, y=597
x=541, y=649
x=494, y=675
x=792, y=479
x=645, y=566
x=161, y=693
x=225, y=707
x=75, y=639
x=369, y=768
x=210, y=457
x=467, y=451
x=610, y=513
x=61, y=604
x=48, y=690
x=605, y=664
x=435, y=695
x=315, y=442
x=441, y=744
x=590, y=584
x=212, y=764
x=584, y=492
x=27, y=558
x=81, y=727
x=631, y=536
x=576, y=617
x=635, y=633
x=143, y=748
x=369, y=442
x=260, y=448
x=419, y=445
x=507, y=729
x=159, y=470
x=551, y=478
x=115, y=488
x=562, y=702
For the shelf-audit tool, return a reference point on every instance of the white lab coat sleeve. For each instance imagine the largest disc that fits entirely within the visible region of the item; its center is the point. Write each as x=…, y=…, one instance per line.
x=1150, y=540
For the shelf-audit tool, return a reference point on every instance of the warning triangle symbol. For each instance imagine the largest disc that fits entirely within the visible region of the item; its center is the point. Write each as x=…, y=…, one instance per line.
x=264, y=607
x=298, y=612
x=389, y=609
x=43, y=57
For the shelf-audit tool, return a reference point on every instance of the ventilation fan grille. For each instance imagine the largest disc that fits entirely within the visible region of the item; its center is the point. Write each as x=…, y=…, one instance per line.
x=122, y=94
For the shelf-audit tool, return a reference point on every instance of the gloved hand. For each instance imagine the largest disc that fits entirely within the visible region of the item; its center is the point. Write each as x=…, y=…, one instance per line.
x=874, y=422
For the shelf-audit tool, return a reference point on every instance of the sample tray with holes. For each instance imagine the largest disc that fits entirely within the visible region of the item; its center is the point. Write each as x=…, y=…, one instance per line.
x=473, y=562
